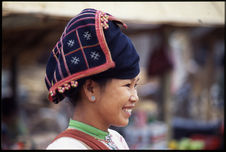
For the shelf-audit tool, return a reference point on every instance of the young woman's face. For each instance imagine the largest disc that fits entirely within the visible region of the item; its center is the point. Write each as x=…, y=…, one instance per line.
x=117, y=101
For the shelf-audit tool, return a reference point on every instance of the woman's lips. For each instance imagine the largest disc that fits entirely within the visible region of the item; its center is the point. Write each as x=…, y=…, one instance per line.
x=128, y=109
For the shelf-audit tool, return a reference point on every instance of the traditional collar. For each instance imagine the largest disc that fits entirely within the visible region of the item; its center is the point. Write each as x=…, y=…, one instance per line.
x=97, y=133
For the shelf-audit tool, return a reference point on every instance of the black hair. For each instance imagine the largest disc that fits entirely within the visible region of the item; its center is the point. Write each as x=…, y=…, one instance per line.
x=74, y=94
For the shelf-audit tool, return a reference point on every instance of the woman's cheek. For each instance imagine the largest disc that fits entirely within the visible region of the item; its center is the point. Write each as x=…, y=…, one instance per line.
x=124, y=94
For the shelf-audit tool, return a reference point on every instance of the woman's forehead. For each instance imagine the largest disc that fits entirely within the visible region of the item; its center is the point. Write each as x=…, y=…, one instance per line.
x=127, y=80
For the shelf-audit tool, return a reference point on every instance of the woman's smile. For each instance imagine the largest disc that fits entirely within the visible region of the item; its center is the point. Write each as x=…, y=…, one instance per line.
x=128, y=109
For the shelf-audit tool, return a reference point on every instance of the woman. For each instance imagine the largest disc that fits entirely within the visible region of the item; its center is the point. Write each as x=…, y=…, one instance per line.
x=96, y=67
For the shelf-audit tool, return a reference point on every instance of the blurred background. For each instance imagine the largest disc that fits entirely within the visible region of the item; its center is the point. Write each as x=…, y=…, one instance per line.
x=181, y=46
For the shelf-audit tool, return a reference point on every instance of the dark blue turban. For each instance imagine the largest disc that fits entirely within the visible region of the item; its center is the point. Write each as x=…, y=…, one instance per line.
x=92, y=44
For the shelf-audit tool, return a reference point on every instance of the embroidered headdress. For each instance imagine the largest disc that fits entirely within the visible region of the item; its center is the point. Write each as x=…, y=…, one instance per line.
x=92, y=43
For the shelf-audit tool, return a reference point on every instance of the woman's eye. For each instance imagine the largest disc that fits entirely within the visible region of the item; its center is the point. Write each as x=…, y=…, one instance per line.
x=127, y=85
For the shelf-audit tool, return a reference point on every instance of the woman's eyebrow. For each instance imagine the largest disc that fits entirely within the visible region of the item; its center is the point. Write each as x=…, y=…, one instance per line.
x=136, y=79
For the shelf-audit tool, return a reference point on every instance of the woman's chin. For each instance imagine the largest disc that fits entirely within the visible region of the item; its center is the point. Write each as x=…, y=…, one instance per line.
x=122, y=123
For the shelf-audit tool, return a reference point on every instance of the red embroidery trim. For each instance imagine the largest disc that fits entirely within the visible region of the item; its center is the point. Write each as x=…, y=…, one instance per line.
x=83, y=53
x=101, y=37
x=62, y=54
x=54, y=75
x=58, y=65
x=87, y=139
x=48, y=82
x=89, y=46
x=85, y=18
x=78, y=16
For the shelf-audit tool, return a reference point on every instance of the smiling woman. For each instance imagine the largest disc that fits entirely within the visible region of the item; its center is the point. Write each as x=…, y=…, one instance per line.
x=95, y=65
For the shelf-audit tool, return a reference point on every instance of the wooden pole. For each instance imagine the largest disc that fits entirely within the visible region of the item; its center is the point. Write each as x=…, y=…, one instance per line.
x=166, y=109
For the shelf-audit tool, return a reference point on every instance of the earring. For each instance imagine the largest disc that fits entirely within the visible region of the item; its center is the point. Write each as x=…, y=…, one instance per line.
x=93, y=98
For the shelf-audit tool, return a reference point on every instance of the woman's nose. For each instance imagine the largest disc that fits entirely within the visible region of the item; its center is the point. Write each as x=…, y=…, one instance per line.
x=134, y=97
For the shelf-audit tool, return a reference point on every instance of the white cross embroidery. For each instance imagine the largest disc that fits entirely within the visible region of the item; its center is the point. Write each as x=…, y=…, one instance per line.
x=70, y=43
x=87, y=35
x=75, y=60
x=95, y=55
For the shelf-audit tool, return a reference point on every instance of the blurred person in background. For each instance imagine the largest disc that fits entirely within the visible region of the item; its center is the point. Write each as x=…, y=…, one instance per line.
x=94, y=65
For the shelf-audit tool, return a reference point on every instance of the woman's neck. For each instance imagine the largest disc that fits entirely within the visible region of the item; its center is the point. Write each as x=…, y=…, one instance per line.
x=88, y=116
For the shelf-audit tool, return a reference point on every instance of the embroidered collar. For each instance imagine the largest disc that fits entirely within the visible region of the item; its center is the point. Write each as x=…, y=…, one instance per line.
x=97, y=133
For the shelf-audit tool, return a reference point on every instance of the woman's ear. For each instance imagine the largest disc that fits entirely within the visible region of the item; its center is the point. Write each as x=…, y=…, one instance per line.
x=90, y=88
